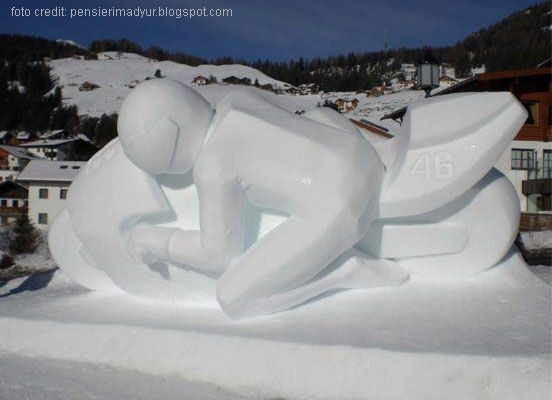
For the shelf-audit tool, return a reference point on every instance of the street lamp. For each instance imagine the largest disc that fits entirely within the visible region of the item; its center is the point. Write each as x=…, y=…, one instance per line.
x=427, y=73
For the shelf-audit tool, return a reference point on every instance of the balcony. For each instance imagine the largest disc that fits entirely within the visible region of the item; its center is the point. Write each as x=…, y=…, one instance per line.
x=539, y=181
x=13, y=210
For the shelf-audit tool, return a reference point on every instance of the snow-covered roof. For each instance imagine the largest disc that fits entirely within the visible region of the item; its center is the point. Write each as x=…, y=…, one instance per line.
x=83, y=137
x=50, y=171
x=3, y=134
x=69, y=43
x=17, y=152
x=51, y=134
x=23, y=135
x=49, y=142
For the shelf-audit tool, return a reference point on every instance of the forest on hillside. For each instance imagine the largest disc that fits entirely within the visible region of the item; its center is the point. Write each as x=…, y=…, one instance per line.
x=30, y=99
x=521, y=40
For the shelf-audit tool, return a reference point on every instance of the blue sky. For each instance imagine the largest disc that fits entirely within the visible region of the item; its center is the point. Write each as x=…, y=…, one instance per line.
x=277, y=29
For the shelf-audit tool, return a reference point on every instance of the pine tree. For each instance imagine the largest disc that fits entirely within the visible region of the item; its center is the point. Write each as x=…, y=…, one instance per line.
x=22, y=236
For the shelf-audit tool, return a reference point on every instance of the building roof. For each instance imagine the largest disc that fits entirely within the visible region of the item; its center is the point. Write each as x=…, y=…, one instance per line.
x=49, y=142
x=3, y=134
x=50, y=171
x=17, y=152
x=50, y=134
x=83, y=137
x=347, y=100
x=13, y=190
x=23, y=135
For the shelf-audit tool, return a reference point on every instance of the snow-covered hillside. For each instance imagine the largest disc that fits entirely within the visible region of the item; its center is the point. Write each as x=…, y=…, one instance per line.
x=116, y=77
x=118, y=74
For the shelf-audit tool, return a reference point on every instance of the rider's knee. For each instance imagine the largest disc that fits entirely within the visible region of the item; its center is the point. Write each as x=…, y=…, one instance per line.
x=234, y=303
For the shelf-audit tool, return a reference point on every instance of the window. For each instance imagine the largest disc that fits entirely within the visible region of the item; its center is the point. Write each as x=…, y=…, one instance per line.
x=532, y=108
x=547, y=163
x=43, y=193
x=14, y=203
x=42, y=218
x=63, y=194
x=4, y=203
x=523, y=159
x=4, y=220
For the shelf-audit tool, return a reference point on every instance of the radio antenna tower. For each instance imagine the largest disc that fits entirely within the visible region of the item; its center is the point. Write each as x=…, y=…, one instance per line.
x=386, y=41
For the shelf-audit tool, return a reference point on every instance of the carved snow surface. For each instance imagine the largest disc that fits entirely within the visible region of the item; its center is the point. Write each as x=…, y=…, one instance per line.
x=257, y=210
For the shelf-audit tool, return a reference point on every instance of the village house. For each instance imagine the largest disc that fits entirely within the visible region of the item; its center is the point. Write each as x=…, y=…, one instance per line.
x=55, y=134
x=104, y=56
x=346, y=105
x=232, y=80
x=267, y=86
x=12, y=160
x=376, y=91
x=447, y=79
x=308, y=88
x=47, y=183
x=200, y=80
x=292, y=90
x=527, y=162
x=23, y=136
x=75, y=148
x=13, y=201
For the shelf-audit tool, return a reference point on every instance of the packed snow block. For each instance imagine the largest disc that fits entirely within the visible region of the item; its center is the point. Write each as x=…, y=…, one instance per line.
x=259, y=210
x=445, y=146
x=488, y=337
x=452, y=241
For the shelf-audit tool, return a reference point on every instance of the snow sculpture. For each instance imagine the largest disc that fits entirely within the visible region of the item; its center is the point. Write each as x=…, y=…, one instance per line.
x=260, y=210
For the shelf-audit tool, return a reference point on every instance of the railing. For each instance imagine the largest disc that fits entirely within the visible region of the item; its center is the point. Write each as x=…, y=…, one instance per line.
x=13, y=210
x=535, y=222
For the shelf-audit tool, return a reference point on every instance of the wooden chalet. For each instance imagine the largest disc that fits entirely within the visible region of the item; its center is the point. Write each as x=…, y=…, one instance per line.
x=13, y=201
x=200, y=80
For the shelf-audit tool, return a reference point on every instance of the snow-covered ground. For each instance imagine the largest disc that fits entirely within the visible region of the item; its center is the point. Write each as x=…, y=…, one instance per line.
x=484, y=337
x=372, y=108
x=47, y=379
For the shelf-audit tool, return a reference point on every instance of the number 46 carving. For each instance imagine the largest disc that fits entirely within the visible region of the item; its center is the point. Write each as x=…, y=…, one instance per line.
x=436, y=166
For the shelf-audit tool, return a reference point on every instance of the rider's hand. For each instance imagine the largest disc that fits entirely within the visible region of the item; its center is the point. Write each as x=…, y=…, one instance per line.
x=148, y=244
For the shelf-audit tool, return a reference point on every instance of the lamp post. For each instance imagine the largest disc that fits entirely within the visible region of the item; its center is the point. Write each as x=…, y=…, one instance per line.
x=427, y=73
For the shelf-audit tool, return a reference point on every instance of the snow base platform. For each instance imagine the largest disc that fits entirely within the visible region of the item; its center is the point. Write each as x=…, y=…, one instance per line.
x=486, y=337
